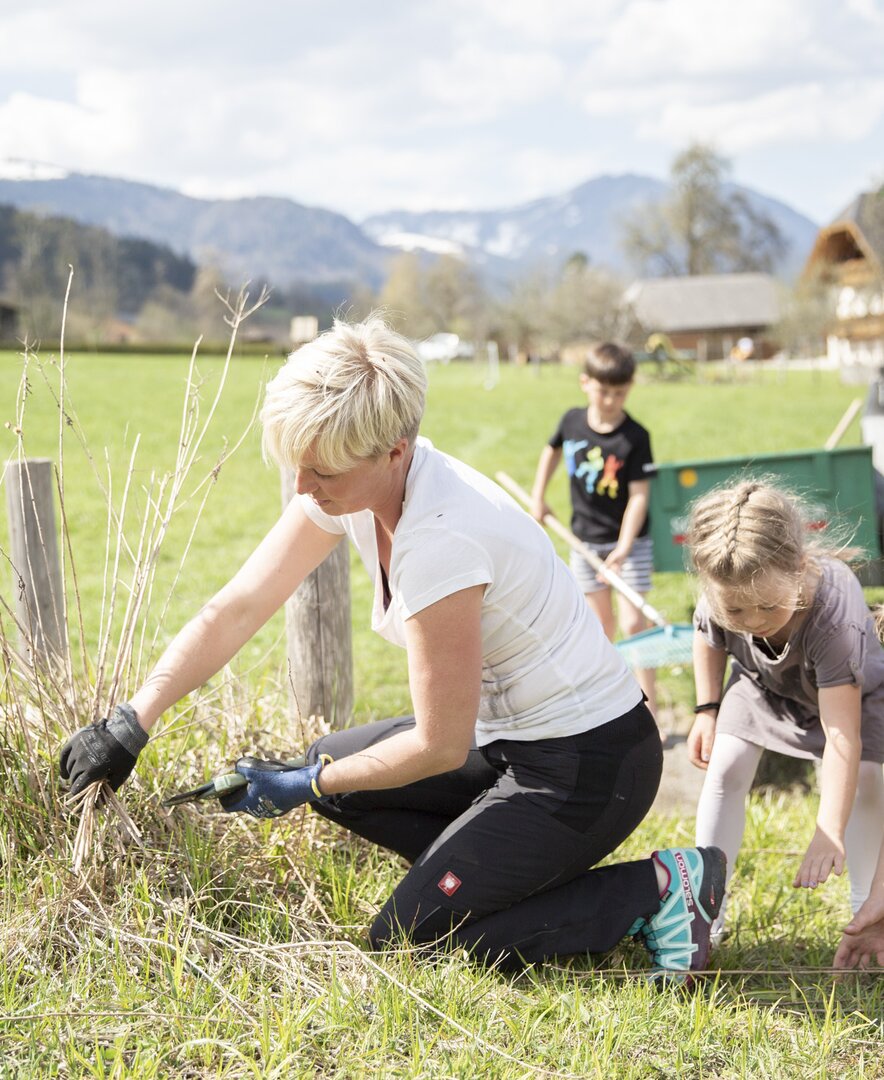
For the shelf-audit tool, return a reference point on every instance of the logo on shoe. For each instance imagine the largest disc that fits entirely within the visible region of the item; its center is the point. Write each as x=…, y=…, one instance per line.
x=685, y=879
x=450, y=883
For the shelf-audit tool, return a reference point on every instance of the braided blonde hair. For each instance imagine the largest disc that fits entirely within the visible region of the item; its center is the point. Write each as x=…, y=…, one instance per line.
x=739, y=534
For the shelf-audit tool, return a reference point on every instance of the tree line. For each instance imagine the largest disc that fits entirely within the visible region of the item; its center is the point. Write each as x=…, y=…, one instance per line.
x=115, y=276
x=704, y=225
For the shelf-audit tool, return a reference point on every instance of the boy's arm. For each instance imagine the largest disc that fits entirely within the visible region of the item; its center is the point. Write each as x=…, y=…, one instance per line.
x=840, y=713
x=634, y=517
x=550, y=456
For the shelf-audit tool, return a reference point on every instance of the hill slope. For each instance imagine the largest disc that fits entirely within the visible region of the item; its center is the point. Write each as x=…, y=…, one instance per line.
x=271, y=238
x=282, y=241
x=588, y=219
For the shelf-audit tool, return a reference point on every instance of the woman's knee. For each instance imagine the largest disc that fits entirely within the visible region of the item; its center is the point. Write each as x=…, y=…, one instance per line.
x=400, y=922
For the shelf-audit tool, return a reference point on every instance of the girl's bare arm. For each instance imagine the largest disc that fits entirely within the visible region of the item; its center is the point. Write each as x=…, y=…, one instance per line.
x=840, y=712
x=709, y=668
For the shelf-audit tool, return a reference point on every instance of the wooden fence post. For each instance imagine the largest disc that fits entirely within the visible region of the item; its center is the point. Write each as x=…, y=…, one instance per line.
x=320, y=640
x=39, y=603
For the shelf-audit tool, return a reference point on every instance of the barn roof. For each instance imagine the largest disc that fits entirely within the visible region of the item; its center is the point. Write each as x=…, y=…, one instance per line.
x=856, y=233
x=707, y=302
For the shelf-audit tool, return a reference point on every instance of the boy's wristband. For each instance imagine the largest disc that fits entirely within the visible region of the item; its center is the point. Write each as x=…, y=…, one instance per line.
x=707, y=707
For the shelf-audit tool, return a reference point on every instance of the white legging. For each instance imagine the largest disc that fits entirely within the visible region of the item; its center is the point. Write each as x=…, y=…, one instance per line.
x=721, y=811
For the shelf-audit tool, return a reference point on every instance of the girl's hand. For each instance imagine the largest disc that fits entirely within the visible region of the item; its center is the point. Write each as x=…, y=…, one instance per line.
x=700, y=740
x=863, y=940
x=824, y=856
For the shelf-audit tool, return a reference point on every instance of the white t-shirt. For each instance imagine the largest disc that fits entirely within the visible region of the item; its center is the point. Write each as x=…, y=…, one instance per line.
x=548, y=670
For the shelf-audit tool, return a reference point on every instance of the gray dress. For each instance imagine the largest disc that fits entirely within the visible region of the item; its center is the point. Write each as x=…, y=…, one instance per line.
x=774, y=701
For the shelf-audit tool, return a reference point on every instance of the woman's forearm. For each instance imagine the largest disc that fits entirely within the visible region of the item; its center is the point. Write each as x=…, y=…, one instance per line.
x=200, y=649
x=402, y=759
x=288, y=553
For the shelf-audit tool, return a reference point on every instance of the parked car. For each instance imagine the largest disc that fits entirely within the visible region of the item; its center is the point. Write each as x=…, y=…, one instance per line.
x=442, y=348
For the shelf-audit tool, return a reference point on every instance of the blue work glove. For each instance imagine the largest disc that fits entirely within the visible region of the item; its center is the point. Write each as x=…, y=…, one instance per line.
x=273, y=787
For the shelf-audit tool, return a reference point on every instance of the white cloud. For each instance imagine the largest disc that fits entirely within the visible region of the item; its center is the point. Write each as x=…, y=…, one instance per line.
x=477, y=82
x=775, y=75
x=452, y=103
x=806, y=113
x=67, y=135
x=657, y=39
x=558, y=22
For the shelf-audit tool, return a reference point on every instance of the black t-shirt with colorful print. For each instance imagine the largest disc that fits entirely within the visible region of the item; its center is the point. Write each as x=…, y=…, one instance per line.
x=601, y=468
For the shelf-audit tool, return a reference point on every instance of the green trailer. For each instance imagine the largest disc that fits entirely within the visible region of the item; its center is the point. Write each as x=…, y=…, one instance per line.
x=838, y=485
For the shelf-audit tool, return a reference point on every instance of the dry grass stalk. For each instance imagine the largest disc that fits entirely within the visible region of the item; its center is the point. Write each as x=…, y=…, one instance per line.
x=43, y=704
x=86, y=805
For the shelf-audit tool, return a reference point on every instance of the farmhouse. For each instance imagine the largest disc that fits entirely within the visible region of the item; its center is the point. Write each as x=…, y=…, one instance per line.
x=848, y=255
x=707, y=314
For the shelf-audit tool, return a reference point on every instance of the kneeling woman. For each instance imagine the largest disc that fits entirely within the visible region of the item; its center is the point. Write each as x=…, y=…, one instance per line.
x=530, y=755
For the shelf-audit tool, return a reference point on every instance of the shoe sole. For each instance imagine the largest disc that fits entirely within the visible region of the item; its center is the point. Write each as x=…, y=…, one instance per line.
x=714, y=877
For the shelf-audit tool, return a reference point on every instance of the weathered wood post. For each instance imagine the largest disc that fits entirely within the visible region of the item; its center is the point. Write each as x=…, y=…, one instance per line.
x=320, y=640
x=39, y=603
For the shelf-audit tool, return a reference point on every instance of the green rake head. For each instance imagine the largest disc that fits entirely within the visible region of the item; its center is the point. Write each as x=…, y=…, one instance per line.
x=661, y=646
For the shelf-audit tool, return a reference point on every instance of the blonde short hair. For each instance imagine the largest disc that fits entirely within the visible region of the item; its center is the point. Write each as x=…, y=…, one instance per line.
x=349, y=395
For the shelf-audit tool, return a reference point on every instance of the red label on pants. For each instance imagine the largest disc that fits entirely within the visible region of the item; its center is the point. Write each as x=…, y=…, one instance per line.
x=450, y=883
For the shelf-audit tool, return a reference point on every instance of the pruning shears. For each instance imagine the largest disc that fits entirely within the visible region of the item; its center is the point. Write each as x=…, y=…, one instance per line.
x=231, y=781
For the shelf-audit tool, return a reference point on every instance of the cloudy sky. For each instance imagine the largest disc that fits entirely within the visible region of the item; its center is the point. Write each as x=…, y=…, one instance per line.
x=363, y=107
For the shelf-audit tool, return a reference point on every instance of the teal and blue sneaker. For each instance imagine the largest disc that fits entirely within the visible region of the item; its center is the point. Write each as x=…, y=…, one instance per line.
x=678, y=936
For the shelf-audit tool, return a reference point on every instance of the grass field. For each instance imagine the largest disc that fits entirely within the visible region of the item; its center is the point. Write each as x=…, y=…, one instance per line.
x=231, y=949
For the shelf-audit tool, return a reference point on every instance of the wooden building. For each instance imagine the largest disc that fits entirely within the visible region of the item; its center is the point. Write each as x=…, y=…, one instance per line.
x=848, y=255
x=8, y=321
x=708, y=314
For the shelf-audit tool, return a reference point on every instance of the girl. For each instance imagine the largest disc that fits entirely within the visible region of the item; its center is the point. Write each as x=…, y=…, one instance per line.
x=807, y=678
x=862, y=943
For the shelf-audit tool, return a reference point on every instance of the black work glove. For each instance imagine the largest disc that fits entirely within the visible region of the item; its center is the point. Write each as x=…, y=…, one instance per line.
x=106, y=750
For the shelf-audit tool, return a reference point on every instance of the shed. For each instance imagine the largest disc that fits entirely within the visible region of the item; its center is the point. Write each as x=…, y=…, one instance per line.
x=8, y=320
x=707, y=313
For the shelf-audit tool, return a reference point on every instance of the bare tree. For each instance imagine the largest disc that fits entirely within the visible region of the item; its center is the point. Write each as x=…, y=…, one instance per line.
x=701, y=227
x=584, y=303
x=522, y=315
x=807, y=312
x=444, y=295
x=402, y=297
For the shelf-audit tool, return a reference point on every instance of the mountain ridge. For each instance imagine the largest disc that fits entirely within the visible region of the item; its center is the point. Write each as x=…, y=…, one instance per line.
x=586, y=218
x=285, y=242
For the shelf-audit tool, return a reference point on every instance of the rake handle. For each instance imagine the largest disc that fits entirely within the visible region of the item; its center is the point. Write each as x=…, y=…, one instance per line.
x=613, y=578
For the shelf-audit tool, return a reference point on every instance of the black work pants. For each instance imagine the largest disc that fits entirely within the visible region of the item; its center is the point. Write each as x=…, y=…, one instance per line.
x=501, y=848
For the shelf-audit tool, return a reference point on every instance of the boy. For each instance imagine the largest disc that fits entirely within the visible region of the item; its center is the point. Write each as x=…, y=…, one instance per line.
x=606, y=452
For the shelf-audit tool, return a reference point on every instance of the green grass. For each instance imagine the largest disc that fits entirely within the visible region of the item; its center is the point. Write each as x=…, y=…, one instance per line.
x=117, y=398
x=235, y=949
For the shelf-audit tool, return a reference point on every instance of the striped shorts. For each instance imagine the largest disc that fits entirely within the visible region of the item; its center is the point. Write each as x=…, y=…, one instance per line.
x=636, y=569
